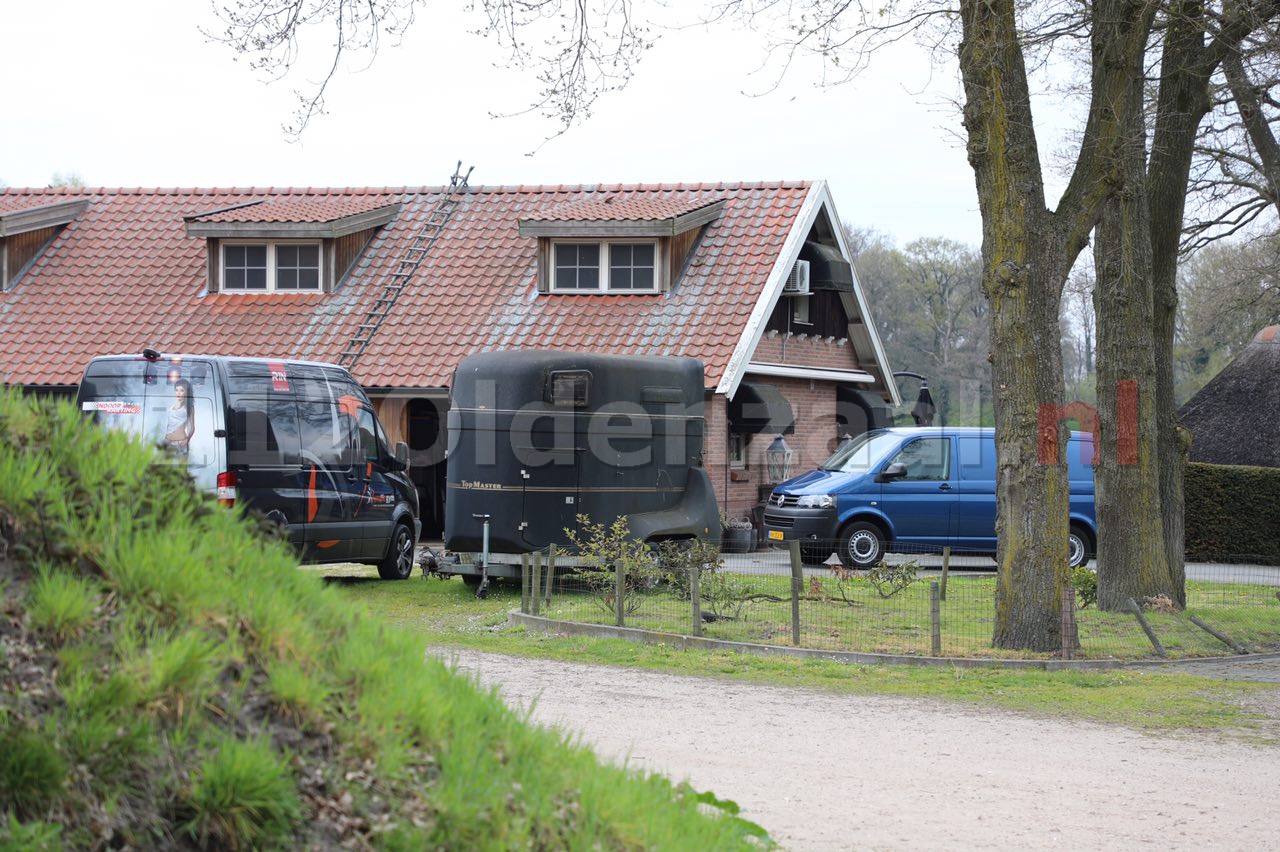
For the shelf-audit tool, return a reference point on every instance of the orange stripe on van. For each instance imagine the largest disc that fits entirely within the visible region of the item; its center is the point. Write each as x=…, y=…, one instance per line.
x=312, y=503
x=325, y=545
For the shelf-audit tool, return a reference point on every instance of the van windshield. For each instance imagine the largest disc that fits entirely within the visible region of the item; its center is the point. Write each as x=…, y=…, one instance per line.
x=862, y=453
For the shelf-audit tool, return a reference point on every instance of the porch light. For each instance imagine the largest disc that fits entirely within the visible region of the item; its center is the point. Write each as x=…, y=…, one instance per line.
x=778, y=460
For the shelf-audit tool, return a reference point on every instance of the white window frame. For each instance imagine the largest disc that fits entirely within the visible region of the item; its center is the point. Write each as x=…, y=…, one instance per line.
x=796, y=302
x=271, y=246
x=605, y=246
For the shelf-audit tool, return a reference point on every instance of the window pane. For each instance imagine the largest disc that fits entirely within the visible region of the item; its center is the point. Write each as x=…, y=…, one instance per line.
x=256, y=279
x=234, y=279
x=244, y=267
x=577, y=266
x=631, y=266
x=308, y=279
x=297, y=267
x=286, y=279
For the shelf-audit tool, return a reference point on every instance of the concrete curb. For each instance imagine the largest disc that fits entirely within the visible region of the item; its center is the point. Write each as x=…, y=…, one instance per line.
x=653, y=637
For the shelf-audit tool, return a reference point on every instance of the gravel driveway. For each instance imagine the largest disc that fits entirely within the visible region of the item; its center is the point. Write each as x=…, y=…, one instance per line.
x=826, y=771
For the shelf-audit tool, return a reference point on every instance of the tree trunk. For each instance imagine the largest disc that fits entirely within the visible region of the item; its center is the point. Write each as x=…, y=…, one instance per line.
x=1027, y=252
x=1132, y=563
x=1182, y=102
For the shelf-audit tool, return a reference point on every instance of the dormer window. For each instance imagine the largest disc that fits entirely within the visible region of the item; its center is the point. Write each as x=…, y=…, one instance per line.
x=272, y=267
x=605, y=267
x=617, y=243
x=287, y=244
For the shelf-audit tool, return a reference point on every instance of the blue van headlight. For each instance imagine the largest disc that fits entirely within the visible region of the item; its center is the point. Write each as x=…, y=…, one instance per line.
x=816, y=501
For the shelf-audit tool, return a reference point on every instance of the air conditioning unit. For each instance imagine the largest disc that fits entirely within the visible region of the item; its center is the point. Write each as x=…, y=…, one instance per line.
x=798, y=280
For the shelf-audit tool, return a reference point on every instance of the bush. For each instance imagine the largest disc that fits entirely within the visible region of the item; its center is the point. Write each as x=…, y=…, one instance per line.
x=1232, y=511
x=242, y=797
x=1085, y=582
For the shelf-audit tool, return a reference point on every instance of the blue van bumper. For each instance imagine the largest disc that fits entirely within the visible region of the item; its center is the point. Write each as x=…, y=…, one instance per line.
x=790, y=524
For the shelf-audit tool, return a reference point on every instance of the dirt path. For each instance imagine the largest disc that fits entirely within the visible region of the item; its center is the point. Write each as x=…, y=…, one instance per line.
x=824, y=771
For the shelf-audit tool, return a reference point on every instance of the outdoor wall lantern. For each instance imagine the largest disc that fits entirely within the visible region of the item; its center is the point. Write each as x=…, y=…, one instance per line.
x=778, y=460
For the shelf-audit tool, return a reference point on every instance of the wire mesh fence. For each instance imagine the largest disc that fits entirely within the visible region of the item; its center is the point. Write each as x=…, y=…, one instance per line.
x=931, y=602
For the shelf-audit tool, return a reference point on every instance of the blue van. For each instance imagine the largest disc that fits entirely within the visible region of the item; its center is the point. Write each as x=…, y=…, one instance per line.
x=913, y=490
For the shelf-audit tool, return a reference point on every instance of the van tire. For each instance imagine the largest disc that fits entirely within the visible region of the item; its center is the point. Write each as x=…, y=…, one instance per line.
x=1079, y=546
x=861, y=545
x=398, y=563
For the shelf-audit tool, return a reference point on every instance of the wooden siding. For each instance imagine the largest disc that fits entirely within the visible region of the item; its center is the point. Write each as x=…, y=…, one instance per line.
x=826, y=316
x=20, y=249
x=679, y=248
x=346, y=251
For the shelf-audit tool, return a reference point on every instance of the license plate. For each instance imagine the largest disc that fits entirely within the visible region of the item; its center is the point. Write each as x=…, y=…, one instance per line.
x=776, y=535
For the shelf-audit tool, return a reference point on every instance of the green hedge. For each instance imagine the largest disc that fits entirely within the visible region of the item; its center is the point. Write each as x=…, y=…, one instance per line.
x=1233, y=511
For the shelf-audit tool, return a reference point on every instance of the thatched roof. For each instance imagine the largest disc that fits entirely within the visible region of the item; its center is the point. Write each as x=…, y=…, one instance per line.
x=1235, y=419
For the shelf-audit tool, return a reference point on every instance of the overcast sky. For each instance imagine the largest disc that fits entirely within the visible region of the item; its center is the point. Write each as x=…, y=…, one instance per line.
x=131, y=94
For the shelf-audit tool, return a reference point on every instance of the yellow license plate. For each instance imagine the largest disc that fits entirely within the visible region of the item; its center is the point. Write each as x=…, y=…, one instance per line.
x=776, y=535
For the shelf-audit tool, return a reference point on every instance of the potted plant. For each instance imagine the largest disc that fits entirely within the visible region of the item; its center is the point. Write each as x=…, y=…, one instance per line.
x=738, y=536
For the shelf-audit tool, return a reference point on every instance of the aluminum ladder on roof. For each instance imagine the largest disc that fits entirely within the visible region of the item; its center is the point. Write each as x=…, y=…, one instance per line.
x=399, y=278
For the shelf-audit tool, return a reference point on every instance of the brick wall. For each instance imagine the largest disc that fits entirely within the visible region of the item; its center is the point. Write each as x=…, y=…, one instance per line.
x=814, y=405
x=803, y=350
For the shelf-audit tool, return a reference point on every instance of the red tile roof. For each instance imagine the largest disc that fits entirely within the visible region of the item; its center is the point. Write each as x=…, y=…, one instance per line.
x=294, y=209
x=125, y=275
x=621, y=207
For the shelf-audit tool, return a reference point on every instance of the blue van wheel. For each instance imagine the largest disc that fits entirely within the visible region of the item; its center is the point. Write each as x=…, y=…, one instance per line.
x=1078, y=546
x=861, y=545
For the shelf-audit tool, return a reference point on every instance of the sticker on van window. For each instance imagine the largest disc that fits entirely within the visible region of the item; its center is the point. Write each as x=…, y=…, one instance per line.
x=112, y=407
x=279, y=376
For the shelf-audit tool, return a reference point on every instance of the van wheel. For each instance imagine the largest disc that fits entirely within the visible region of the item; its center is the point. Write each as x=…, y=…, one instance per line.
x=861, y=545
x=398, y=563
x=1078, y=546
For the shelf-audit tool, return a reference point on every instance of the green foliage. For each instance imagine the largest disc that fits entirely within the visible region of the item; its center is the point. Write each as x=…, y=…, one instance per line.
x=242, y=797
x=888, y=579
x=29, y=836
x=603, y=550
x=165, y=629
x=61, y=605
x=31, y=771
x=679, y=559
x=1232, y=511
x=1085, y=582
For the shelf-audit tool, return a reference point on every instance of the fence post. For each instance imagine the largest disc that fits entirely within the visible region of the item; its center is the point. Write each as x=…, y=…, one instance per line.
x=797, y=587
x=935, y=618
x=1146, y=627
x=524, y=582
x=619, y=587
x=695, y=595
x=1070, y=636
x=535, y=587
x=946, y=567
x=551, y=573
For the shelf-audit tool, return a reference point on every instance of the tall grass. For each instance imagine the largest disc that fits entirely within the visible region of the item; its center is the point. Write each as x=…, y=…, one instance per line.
x=192, y=685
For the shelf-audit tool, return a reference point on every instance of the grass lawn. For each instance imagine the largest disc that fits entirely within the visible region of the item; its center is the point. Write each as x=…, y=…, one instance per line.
x=447, y=614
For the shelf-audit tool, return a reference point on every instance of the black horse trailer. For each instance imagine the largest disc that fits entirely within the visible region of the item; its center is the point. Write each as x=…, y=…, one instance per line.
x=539, y=438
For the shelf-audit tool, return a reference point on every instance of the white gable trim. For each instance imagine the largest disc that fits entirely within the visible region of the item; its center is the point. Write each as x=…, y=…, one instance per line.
x=818, y=199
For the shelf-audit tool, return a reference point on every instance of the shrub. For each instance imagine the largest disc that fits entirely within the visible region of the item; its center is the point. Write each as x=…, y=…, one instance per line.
x=600, y=550
x=1085, y=582
x=242, y=797
x=1232, y=511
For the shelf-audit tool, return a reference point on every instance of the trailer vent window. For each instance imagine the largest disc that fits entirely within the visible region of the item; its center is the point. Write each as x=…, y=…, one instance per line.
x=569, y=389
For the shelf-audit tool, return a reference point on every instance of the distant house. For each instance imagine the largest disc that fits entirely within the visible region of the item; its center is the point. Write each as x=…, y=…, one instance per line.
x=400, y=284
x=1235, y=419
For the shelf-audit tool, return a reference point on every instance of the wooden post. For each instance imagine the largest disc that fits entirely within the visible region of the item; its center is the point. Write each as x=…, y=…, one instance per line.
x=551, y=573
x=1070, y=637
x=935, y=619
x=695, y=596
x=524, y=582
x=946, y=566
x=797, y=588
x=535, y=588
x=1146, y=627
x=619, y=589
x=1219, y=635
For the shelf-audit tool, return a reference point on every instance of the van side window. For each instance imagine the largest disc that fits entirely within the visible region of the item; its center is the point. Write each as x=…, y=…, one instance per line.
x=927, y=459
x=569, y=388
x=264, y=431
x=368, y=437
x=325, y=435
x=977, y=459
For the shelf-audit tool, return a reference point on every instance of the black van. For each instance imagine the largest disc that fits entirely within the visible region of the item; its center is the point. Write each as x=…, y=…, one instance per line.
x=295, y=440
